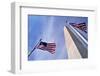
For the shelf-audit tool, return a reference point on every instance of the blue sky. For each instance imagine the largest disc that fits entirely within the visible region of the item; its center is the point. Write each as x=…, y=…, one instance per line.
x=50, y=29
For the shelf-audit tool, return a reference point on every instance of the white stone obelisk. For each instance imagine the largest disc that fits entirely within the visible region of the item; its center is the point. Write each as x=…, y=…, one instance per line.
x=73, y=52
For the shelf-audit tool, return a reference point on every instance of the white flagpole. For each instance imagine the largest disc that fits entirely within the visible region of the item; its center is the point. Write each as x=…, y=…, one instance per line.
x=34, y=48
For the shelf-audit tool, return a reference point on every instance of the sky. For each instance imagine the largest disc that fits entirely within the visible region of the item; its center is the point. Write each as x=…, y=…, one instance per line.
x=50, y=29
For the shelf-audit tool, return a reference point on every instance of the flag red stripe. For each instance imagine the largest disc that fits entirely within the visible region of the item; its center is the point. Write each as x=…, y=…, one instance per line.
x=47, y=48
x=51, y=46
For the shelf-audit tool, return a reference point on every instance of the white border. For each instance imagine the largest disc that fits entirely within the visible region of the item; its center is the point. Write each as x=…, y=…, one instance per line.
x=19, y=38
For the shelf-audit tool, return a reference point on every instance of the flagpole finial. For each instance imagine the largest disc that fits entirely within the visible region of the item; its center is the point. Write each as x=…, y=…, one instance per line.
x=40, y=39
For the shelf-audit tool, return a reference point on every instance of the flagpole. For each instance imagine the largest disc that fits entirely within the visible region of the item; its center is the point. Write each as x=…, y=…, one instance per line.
x=34, y=48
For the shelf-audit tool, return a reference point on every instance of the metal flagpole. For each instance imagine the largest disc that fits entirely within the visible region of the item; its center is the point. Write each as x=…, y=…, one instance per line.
x=34, y=48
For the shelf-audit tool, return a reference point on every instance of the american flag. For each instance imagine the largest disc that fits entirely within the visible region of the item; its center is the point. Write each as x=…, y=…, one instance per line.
x=81, y=26
x=50, y=47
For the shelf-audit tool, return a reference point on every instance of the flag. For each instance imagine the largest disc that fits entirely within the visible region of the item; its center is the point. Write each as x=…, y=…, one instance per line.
x=81, y=26
x=50, y=47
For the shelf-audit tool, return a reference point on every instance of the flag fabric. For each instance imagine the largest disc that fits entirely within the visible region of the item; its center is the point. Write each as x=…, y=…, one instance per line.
x=81, y=26
x=50, y=47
